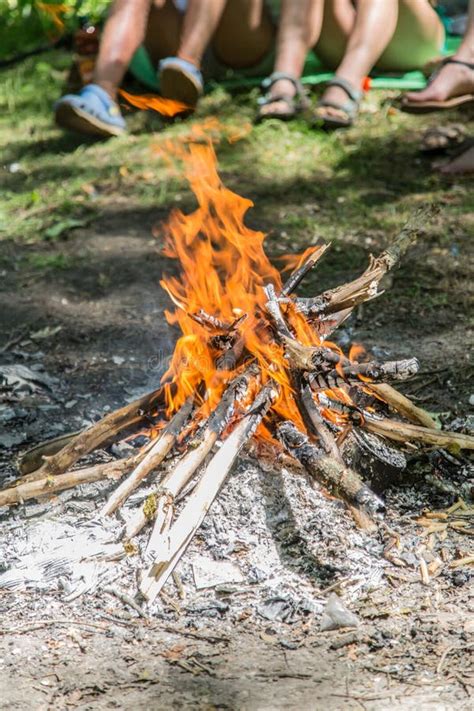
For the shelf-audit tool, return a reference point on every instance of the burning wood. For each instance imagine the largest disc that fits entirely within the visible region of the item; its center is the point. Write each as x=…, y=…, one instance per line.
x=252, y=360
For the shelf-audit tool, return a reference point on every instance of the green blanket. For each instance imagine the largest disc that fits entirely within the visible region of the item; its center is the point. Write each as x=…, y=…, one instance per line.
x=314, y=73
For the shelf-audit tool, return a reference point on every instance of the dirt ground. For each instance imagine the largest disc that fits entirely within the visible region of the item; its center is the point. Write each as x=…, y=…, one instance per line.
x=412, y=646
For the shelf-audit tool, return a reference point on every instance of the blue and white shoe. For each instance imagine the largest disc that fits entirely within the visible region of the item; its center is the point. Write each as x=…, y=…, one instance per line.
x=91, y=111
x=180, y=80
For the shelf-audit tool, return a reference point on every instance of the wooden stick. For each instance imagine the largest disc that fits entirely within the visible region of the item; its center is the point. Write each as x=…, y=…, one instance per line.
x=402, y=404
x=50, y=485
x=32, y=459
x=152, y=459
x=372, y=371
x=94, y=436
x=298, y=275
x=333, y=474
x=365, y=287
x=403, y=432
x=398, y=431
x=175, y=480
x=171, y=547
x=310, y=413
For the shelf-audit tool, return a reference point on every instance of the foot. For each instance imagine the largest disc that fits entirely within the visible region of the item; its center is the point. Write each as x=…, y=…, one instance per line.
x=339, y=105
x=335, y=95
x=277, y=106
x=92, y=111
x=451, y=80
x=180, y=80
x=464, y=163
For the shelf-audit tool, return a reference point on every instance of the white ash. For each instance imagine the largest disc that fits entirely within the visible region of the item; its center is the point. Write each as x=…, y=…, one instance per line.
x=288, y=539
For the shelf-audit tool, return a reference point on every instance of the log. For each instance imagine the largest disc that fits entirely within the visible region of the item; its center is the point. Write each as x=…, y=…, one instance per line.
x=383, y=465
x=351, y=373
x=94, y=436
x=365, y=287
x=50, y=485
x=168, y=550
x=32, y=459
x=333, y=474
x=153, y=458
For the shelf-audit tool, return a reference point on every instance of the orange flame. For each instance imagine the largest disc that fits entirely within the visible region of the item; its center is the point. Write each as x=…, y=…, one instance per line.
x=165, y=107
x=224, y=270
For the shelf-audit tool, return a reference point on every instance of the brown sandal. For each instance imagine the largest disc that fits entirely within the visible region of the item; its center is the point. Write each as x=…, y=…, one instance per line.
x=423, y=107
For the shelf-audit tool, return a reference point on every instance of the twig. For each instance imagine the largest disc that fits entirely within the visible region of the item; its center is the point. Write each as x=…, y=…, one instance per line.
x=126, y=599
x=176, y=541
x=402, y=404
x=298, y=275
x=94, y=436
x=152, y=459
x=50, y=485
x=447, y=651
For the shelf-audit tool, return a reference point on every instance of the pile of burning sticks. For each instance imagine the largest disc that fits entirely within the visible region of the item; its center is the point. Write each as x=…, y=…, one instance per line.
x=253, y=360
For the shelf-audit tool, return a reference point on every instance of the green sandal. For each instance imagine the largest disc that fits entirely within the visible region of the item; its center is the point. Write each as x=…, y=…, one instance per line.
x=294, y=104
x=325, y=119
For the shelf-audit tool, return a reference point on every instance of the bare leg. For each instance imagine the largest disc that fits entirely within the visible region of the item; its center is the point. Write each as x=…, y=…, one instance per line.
x=374, y=27
x=388, y=34
x=453, y=79
x=164, y=31
x=123, y=33
x=300, y=25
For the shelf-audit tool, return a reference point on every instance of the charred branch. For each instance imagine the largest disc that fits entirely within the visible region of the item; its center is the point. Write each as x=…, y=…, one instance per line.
x=334, y=475
x=366, y=287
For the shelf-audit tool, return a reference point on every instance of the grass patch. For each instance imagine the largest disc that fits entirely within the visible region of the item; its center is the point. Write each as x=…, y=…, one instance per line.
x=352, y=188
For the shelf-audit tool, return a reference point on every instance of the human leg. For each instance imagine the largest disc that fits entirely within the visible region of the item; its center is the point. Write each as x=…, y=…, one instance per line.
x=391, y=34
x=299, y=29
x=94, y=109
x=453, y=79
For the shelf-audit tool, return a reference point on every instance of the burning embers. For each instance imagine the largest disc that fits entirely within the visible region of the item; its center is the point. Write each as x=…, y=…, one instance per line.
x=253, y=359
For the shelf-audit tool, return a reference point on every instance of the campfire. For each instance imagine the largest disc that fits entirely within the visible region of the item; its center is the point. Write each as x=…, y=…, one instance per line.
x=254, y=361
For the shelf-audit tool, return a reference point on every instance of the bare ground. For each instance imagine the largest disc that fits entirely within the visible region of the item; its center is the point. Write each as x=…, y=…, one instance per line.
x=412, y=646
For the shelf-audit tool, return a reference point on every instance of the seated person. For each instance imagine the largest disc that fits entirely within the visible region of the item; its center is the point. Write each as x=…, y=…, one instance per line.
x=176, y=34
x=451, y=86
x=350, y=37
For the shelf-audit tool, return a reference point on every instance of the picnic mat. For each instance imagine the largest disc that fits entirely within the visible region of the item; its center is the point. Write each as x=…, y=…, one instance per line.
x=314, y=73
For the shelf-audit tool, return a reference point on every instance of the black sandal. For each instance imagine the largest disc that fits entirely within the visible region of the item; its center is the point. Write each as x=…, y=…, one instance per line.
x=424, y=107
x=294, y=104
x=326, y=119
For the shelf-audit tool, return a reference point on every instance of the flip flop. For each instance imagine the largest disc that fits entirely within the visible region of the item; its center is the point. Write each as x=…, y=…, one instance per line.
x=424, y=107
x=91, y=111
x=180, y=80
x=325, y=119
x=294, y=104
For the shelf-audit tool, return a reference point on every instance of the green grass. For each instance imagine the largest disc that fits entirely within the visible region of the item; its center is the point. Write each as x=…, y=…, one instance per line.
x=352, y=186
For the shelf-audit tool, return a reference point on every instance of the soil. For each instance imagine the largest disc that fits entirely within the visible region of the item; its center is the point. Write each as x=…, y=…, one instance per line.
x=215, y=649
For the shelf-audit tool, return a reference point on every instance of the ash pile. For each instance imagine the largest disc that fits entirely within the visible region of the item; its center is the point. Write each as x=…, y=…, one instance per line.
x=192, y=523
